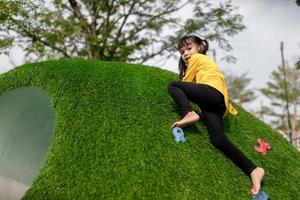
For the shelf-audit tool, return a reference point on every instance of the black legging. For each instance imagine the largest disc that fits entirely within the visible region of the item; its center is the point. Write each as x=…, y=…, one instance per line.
x=211, y=103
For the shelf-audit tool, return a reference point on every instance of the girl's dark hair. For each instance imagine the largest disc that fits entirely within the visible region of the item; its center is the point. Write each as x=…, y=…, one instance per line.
x=186, y=40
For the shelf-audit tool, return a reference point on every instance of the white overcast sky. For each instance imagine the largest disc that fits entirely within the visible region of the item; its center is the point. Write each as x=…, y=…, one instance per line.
x=257, y=48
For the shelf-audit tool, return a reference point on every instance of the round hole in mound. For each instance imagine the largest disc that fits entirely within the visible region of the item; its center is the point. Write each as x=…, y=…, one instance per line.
x=26, y=126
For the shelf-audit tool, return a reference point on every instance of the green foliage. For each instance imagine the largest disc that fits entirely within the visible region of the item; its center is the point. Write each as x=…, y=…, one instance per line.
x=5, y=44
x=237, y=87
x=122, y=30
x=276, y=92
x=112, y=139
x=297, y=64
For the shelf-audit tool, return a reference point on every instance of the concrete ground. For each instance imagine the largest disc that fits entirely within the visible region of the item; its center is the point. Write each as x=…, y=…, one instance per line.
x=11, y=190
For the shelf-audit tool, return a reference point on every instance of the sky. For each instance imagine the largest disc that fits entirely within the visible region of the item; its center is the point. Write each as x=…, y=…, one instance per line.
x=257, y=48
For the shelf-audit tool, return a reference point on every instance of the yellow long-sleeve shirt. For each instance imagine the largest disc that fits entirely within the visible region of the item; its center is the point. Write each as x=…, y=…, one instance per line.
x=201, y=69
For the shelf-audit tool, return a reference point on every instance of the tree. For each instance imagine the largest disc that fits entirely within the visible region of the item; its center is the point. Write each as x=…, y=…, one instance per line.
x=278, y=94
x=237, y=88
x=298, y=64
x=120, y=30
x=298, y=2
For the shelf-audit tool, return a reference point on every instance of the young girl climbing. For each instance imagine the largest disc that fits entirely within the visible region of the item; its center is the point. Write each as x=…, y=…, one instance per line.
x=202, y=82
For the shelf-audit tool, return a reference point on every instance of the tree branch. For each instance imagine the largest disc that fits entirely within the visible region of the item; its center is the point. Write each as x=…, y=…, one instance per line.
x=125, y=19
x=78, y=15
x=152, y=55
x=94, y=20
x=150, y=20
x=36, y=38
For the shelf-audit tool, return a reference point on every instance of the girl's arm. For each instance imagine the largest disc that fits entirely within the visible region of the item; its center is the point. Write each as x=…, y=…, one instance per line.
x=193, y=68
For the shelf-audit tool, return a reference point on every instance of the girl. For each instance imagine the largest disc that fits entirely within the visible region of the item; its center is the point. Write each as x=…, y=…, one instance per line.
x=202, y=82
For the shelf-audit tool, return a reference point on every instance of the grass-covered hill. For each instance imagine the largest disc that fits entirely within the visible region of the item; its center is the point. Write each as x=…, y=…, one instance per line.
x=112, y=139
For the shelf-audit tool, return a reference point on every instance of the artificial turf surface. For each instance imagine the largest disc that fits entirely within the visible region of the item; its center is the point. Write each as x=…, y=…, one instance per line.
x=112, y=139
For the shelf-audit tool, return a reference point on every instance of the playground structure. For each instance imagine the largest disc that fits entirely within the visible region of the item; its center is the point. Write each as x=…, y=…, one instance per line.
x=81, y=129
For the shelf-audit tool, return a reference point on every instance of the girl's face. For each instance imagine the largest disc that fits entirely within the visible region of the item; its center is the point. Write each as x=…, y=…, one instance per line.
x=188, y=50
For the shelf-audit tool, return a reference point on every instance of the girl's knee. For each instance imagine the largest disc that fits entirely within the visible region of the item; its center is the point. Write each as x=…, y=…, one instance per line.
x=174, y=83
x=171, y=85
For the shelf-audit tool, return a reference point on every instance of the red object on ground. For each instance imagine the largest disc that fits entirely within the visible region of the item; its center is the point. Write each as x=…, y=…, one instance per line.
x=263, y=147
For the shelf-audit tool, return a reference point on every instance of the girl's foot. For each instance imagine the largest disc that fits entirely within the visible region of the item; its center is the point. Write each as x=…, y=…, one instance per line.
x=256, y=176
x=189, y=118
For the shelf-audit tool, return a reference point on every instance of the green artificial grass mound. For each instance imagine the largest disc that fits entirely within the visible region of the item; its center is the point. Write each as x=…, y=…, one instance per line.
x=112, y=139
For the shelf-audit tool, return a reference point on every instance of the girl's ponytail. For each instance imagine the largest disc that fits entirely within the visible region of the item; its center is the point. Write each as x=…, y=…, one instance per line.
x=205, y=45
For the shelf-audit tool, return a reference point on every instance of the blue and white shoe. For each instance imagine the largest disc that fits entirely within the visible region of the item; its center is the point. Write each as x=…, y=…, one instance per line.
x=178, y=134
x=260, y=196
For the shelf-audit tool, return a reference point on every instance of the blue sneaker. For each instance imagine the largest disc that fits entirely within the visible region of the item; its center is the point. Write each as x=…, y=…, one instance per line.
x=260, y=196
x=178, y=134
